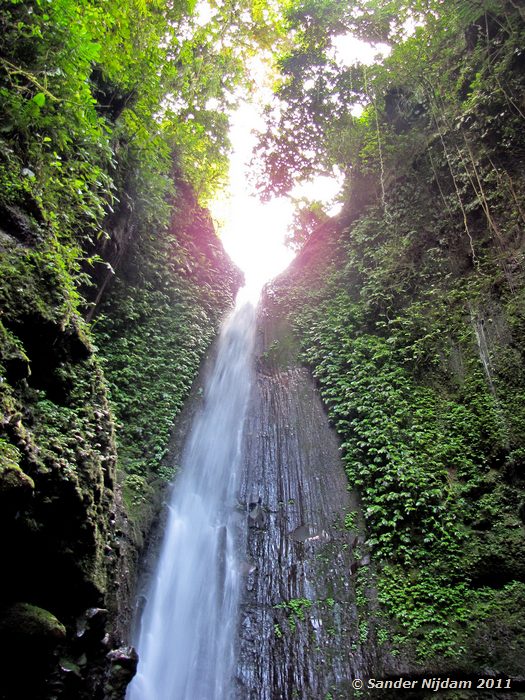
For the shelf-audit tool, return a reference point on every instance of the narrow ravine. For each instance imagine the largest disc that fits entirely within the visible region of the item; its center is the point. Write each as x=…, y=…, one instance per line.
x=187, y=631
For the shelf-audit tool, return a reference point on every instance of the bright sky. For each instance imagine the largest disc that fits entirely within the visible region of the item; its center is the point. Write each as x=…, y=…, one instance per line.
x=348, y=50
x=253, y=232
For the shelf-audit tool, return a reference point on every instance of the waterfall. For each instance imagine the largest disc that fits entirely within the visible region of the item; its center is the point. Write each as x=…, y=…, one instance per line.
x=187, y=637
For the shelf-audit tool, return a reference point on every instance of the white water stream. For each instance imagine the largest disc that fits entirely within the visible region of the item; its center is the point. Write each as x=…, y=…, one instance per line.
x=187, y=637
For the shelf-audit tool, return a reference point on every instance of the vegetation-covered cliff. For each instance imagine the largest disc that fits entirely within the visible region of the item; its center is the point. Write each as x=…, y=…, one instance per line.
x=113, y=284
x=410, y=309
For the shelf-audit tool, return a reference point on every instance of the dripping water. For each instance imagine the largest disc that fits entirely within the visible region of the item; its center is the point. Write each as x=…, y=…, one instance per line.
x=484, y=355
x=186, y=642
x=483, y=348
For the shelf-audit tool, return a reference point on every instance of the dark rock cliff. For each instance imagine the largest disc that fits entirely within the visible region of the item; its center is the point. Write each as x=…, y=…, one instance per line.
x=69, y=547
x=306, y=629
x=153, y=328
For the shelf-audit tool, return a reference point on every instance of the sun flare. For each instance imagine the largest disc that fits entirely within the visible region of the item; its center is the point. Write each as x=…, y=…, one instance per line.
x=252, y=232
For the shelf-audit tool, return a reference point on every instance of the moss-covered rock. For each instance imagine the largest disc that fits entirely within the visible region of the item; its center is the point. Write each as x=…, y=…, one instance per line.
x=23, y=624
x=152, y=328
x=122, y=667
x=16, y=487
x=30, y=637
x=73, y=541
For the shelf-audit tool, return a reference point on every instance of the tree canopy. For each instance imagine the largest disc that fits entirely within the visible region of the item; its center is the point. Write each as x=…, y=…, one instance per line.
x=84, y=85
x=446, y=61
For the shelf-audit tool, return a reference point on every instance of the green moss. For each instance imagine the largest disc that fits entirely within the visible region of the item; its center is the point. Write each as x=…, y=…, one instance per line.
x=425, y=447
x=284, y=349
x=296, y=610
x=11, y=349
x=32, y=625
x=155, y=326
x=9, y=456
x=16, y=487
x=12, y=478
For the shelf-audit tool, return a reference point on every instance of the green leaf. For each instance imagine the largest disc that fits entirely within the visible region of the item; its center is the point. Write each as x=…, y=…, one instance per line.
x=39, y=99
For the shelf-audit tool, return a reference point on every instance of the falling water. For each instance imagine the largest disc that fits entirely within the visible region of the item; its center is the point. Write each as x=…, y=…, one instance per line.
x=186, y=642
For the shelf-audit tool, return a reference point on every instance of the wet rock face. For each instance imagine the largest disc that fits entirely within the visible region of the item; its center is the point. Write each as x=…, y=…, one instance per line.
x=122, y=667
x=299, y=632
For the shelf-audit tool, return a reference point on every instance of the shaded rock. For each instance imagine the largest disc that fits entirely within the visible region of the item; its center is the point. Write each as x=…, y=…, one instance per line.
x=256, y=514
x=291, y=643
x=247, y=567
x=30, y=637
x=300, y=534
x=308, y=533
x=521, y=511
x=122, y=667
x=15, y=485
x=29, y=624
x=22, y=224
x=498, y=558
x=357, y=542
x=16, y=490
x=91, y=626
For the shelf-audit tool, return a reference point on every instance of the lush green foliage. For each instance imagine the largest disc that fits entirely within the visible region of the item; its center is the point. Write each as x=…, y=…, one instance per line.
x=110, y=113
x=84, y=87
x=97, y=103
x=428, y=437
x=307, y=217
x=461, y=66
x=412, y=321
x=156, y=323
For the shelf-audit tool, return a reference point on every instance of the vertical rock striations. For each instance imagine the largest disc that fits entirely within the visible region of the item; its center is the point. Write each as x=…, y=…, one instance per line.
x=302, y=620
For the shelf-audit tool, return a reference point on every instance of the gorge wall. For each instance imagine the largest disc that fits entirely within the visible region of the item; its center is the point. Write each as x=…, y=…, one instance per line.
x=413, y=328
x=86, y=422
x=113, y=284
x=409, y=307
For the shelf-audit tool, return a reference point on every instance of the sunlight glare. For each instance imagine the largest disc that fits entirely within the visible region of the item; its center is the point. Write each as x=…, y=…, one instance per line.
x=252, y=232
x=322, y=188
x=348, y=51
